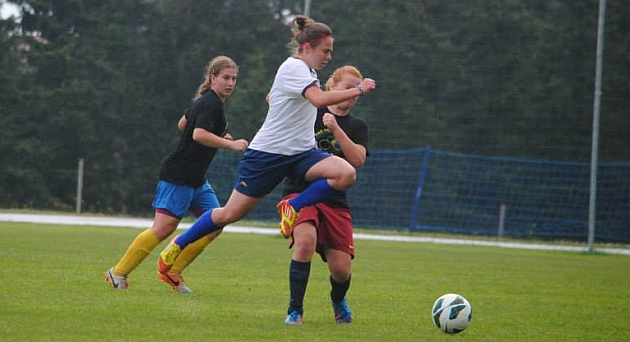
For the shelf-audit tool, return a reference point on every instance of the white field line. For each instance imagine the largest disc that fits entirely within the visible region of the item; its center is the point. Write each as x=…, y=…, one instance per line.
x=145, y=223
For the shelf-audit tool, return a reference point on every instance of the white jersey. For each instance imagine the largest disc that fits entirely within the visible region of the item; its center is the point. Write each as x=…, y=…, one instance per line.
x=288, y=127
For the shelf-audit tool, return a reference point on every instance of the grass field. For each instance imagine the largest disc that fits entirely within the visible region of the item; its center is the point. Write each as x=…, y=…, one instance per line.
x=54, y=291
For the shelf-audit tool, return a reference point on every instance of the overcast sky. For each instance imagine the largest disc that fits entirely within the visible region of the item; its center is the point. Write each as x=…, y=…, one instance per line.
x=7, y=10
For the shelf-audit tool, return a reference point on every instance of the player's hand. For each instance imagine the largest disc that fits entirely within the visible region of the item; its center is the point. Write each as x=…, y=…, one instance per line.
x=239, y=145
x=228, y=136
x=330, y=122
x=368, y=85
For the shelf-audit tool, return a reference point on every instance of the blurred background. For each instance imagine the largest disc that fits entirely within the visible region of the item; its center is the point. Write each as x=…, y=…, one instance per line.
x=101, y=84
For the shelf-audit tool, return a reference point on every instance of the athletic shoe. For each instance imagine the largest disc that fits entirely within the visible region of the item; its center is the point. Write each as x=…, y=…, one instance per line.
x=294, y=318
x=117, y=282
x=176, y=281
x=342, y=312
x=288, y=215
x=167, y=257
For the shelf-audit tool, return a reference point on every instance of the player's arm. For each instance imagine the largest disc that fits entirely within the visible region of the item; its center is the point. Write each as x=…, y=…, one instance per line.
x=320, y=98
x=182, y=123
x=354, y=153
x=210, y=139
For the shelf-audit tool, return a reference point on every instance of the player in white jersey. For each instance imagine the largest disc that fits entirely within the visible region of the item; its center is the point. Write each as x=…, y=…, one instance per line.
x=285, y=145
x=288, y=108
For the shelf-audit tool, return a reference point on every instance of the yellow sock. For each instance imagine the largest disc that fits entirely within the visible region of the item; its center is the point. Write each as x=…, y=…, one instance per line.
x=139, y=249
x=189, y=254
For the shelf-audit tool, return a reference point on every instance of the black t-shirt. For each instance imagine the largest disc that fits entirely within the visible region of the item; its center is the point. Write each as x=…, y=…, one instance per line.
x=356, y=129
x=190, y=161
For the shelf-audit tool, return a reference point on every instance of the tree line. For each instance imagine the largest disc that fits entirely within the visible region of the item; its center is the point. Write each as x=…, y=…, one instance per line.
x=107, y=81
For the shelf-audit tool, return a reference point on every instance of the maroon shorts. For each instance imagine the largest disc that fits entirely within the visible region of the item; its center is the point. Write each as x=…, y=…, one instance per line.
x=333, y=225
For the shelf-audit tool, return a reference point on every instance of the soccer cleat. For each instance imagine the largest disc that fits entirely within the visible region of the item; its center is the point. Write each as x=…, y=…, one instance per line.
x=343, y=314
x=176, y=281
x=117, y=282
x=167, y=257
x=294, y=318
x=288, y=215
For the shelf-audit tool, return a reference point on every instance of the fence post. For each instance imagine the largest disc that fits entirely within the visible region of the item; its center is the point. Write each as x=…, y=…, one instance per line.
x=80, y=185
x=423, y=175
x=502, y=211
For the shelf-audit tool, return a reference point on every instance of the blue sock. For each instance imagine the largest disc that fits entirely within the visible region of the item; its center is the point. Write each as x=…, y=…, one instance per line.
x=202, y=227
x=318, y=191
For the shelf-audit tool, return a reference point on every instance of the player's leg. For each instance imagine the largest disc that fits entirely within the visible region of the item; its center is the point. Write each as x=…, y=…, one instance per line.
x=340, y=275
x=213, y=220
x=337, y=242
x=304, y=244
x=204, y=199
x=339, y=174
x=140, y=248
x=192, y=251
x=339, y=264
x=237, y=206
x=174, y=276
x=171, y=203
x=305, y=238
x=258, y=174
x=329, y=177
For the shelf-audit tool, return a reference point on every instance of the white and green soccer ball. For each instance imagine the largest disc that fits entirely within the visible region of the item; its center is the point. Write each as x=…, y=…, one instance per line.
x=451, y=313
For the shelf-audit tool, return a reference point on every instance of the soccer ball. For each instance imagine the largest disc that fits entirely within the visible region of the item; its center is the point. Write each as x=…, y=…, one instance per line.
x=451, y=313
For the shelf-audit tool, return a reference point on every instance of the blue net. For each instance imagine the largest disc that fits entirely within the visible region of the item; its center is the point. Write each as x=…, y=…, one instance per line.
x=431, y=190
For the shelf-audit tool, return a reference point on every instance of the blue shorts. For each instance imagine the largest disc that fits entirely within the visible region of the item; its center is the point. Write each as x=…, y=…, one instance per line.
x=179, y=199
x=260, y=172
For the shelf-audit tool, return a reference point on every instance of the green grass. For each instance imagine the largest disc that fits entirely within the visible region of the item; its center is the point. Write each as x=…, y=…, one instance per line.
x=54, y=291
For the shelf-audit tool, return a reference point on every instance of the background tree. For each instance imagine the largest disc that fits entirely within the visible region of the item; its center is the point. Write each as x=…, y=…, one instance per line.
x=107, y=81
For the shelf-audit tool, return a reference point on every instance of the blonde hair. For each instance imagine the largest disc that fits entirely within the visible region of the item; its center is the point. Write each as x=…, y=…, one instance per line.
x=306, y=31
x=340, y=72
x=216, y=65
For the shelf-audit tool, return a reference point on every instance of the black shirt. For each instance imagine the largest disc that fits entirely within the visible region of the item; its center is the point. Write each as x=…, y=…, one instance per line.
x=190, y=161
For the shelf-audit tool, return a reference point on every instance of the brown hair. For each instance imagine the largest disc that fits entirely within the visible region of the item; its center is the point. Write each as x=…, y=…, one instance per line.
x=216, y=65
x=338, y=74
x=306, y=31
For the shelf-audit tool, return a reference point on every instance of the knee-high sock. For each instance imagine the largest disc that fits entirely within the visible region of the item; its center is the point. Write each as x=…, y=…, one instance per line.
x=339, y=290
x=203, y=226
x=189, y=254
x=316, y=192
x=298, y=280
x=141, y=246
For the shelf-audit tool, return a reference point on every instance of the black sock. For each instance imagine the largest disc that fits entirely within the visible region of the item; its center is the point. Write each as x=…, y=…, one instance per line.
x=298, y=280
x=338, y=290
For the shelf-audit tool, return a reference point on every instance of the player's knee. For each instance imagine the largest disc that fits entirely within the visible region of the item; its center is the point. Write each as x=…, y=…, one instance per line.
x=163, y=231
x=305, y=250
x=226, y=216
x=305, y=241
x=340, y=274
x=347, y=178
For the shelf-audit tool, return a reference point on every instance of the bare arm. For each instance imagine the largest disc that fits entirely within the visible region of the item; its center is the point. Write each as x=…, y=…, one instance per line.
x=210, y=139
x=354, y=153
x=182, y=123
x=320, y=98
